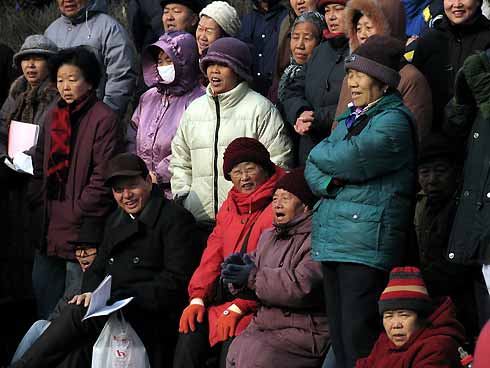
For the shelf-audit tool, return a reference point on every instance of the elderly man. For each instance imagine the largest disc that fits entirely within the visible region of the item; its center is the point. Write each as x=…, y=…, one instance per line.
x=150, y=252
x=85, y=22
x=181, y=15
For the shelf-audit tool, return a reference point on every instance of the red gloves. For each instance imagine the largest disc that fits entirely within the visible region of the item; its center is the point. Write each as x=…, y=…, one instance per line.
x=189, y=316
x=227, y=323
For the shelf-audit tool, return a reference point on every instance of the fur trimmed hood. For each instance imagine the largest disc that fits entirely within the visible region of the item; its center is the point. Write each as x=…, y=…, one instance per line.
x=388, y=17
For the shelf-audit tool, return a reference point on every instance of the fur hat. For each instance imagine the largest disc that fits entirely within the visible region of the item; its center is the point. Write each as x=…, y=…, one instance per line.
x=405, y=290
x=380, y=58
x=36, y=45
x=233, y=53
x=225, y=15
x=294, y=182
x=245, y=149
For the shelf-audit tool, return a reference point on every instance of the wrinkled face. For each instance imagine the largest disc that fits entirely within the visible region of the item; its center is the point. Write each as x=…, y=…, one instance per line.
x=131, y=193
x=71, y=83
x=303, y=41
x=71, y=8
x=302, y=6
x=221, y=78
x=207, y=32
x=85, y=256
x=34, y=68
x=437, y=179
x=460, y=11
x=178, y=17
x=286, y=206
x=400, y=325
x=163, y=59
x=247, y=177
x=363, y=88
x=365, y=29
x=334, y=16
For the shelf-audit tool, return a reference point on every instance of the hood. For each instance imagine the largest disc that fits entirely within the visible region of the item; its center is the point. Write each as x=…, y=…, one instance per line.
x=181, y=47
x=255, y=201
x=92, y=7
x=442, y=322
x=388, y=17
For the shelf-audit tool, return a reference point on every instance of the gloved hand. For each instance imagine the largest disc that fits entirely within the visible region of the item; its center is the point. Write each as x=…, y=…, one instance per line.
x=227, y=323
x=237, y=274
x=462, y=92
x=476, y=69
x=233, y=258
x=189, y=316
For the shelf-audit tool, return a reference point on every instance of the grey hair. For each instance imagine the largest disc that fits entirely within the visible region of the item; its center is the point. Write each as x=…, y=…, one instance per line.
x=314, y=18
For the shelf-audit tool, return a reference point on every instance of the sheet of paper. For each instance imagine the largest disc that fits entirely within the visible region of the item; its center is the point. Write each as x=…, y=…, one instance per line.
x=108, y=309
x=21, y=163
x=22, y=136
x=100, y=296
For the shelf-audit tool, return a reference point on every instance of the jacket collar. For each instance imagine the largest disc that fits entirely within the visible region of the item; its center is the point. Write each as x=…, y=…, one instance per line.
x=228, y=99
x=388, y=101
x=301, y=224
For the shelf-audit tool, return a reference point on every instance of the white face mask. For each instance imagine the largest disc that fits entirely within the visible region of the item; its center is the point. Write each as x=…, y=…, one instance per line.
x=167, y=73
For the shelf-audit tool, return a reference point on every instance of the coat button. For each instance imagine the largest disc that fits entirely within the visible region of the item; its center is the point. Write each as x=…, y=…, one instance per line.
x=355, y=216
x=260, y=55
x=466, y=193
x=451, y=255
x=280, y=264
x=488, y=195
x=69, y=28
x=111, y=260
x=243, y=221
x=136, y=260
x=263, y=35
x=476, y=135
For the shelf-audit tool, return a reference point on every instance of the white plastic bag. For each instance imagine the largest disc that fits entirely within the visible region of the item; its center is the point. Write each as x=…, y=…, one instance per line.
x=118, y=346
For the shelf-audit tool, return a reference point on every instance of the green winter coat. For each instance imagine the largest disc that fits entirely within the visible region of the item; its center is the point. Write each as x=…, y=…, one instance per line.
x=367, y=220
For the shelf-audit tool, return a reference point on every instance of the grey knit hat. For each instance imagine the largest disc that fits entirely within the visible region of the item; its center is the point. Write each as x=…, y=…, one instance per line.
x=225, y=15
x=379, y=57
x=35, y=45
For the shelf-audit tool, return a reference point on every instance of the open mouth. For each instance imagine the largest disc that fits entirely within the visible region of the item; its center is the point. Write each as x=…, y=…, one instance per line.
x=130, y=204
x=215, y=81
x=279, y=216
x=355, y=95
x=247, y=186
x=458, y=13
x=84, y=264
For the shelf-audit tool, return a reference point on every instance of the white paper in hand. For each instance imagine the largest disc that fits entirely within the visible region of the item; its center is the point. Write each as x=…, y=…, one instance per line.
x=100, y=296
x=21, y=163
x=22, y=136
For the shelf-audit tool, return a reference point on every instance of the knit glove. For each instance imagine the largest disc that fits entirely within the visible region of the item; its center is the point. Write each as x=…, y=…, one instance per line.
x=234, y=258
x=227, y=323
x=462, y=92
x=189, y=316
x=476, y=69
x=237, y=274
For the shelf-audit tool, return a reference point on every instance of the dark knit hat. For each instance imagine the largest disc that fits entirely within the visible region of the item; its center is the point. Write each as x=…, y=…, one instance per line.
x=436, y=146
x=195, y=5
x=125, y=164
x=231, y=52
x=379, y=57
x=294, y=182
x=322, y=3
x=406, y=290
x=91, y=233
x=245, y=149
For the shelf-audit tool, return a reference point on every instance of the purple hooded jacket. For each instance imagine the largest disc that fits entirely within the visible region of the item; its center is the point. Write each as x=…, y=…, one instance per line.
x=161, y=107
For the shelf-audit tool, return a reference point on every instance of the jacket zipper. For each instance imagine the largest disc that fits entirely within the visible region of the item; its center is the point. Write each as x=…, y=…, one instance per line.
x=216, y=133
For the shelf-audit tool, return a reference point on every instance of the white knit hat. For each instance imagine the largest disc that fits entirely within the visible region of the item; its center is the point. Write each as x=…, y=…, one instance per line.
x=225, y=15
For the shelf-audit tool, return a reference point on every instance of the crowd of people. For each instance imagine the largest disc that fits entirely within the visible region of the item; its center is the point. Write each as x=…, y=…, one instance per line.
x=305, y=185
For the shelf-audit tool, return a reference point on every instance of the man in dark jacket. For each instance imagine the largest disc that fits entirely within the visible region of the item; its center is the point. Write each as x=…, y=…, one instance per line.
x=149, y=250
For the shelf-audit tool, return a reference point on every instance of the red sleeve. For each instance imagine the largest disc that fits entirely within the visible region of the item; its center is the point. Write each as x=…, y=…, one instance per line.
x=246, y=306
x=438, y=352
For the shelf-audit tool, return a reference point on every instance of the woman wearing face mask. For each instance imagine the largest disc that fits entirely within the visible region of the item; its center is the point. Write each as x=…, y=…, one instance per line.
x=171, y=70
x=365, y=18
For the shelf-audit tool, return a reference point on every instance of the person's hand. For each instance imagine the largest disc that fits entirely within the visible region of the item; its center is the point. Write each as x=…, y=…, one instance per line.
x=238, y=274
x=411, y=39
x=226, y=324
x=153, y=177
x=84, y=298
x=234, y=258
x=304, y=122
x=189, y=316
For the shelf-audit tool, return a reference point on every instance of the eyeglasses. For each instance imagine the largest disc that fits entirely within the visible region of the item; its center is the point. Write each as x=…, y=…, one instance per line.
x=237, y=173
x=82, y=253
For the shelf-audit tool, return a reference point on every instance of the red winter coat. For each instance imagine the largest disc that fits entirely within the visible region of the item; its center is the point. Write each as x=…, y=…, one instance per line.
x=233, y=221
x=435, y=346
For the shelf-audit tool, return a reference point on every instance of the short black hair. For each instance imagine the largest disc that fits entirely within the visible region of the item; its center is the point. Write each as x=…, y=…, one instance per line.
x=80, y=57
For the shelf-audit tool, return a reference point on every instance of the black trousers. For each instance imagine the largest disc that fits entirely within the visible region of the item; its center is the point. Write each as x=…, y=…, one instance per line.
x=193, y=349
x=352, y=292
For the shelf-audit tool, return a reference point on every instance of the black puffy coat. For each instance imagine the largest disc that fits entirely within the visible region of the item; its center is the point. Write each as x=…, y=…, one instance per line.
x=442, y=51
x=317, y=88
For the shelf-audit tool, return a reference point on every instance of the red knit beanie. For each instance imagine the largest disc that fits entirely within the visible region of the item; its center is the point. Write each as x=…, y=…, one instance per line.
x=406, y=290
x=245, y=149
x=294, y=182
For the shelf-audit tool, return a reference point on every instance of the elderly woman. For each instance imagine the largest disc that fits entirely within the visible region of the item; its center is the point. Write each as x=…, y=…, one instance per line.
x=79, y=135
x=230, y=109
x=365, y=18
x=170, y=68
x=419, y=332
x=218, y=19
x=290, y=325
x=364, y=173
x=309, y=102
x=242, y=218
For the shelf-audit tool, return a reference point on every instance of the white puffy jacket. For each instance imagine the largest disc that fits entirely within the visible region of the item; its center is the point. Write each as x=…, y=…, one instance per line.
x=207, y=127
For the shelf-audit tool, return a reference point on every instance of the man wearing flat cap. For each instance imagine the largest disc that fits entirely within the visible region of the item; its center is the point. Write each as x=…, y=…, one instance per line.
x=149, y=250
